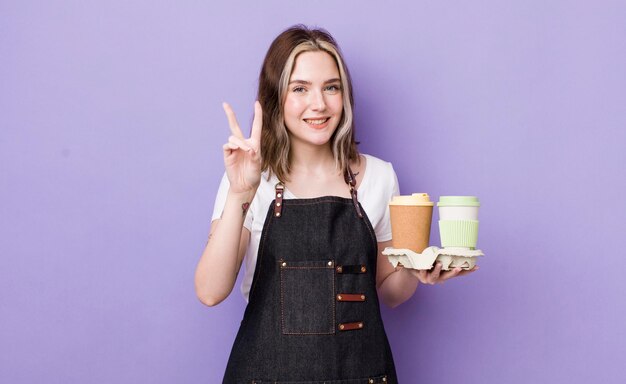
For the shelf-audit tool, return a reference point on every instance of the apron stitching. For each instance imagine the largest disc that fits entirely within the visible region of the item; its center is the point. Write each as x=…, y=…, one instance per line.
x=334, y=304
x=292, y=202
x=282, y=306
x=260, y=254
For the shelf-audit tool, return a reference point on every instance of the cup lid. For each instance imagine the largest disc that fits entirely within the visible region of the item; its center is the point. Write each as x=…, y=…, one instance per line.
x=458, y=201
x=421, y=199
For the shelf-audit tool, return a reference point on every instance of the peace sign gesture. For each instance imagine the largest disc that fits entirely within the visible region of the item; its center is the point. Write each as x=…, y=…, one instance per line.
x=242, y=157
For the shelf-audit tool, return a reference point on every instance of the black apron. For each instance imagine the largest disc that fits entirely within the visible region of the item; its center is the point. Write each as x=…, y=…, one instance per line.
x=313, y=314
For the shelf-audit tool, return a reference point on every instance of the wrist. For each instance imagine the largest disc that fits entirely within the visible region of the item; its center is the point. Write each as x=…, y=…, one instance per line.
x=241, y=197
x=240, y=200
x=406, y=272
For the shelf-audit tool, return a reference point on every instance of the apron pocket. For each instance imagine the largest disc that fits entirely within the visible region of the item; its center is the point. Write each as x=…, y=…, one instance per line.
x=367, y=380
x=307, y=297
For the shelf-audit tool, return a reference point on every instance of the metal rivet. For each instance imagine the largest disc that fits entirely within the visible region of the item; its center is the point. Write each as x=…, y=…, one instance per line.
x=362, y=297
x=363, y=269
x=360, y=325
x=339, y=297
x=277, y=214
x=278, y=204
x=341, y=326
x=384, y=379
x=371, y=380
x=330, y=263
x=279, y=195
x=284, y=264
x=339, y=269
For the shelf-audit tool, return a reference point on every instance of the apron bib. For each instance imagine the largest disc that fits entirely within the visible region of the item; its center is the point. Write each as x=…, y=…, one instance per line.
x=313, y=314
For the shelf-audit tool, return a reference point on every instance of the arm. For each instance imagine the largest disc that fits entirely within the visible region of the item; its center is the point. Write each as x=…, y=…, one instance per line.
x=223, y=254
x=219, y=264
x=395, y=285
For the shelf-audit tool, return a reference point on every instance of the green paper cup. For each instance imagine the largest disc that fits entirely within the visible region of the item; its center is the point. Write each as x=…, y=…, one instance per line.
x=458, y=221
x=458, y=233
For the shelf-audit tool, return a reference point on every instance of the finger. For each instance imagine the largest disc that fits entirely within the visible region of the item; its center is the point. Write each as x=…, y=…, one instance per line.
x=468, y=271
x=241, y=143
x=257, y=122
x=434, y=275
x=229, y=150
x=449, y=274
x=229, y=147
x=421, y=275
x=232, y=121
x=416, y=273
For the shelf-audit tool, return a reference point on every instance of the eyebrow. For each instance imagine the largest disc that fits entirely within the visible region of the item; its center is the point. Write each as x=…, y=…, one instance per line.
x=309, y=83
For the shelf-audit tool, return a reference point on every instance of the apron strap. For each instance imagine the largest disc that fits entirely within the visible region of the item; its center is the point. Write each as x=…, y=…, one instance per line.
x=350, y=180
x=278, y=203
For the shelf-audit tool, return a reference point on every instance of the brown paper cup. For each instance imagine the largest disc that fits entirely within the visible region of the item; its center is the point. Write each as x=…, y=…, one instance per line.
x=411, y=217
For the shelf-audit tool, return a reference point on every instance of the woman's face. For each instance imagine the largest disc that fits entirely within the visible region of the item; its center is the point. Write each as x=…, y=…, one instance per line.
x=314, y=101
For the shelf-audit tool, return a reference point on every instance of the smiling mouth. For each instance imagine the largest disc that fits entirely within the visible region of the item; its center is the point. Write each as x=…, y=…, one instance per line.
x=317, y=121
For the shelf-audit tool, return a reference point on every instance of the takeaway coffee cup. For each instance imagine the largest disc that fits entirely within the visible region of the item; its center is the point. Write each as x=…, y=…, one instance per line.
x=411, y=217
x=458, y=221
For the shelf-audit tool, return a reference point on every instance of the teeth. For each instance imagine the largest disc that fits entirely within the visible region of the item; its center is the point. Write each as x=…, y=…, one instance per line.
x=317, y=122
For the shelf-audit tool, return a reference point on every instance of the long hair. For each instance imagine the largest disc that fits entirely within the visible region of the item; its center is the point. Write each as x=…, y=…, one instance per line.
x=273, y=84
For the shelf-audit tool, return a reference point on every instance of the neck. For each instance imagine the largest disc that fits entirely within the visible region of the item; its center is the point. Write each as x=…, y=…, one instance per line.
x=312, y=158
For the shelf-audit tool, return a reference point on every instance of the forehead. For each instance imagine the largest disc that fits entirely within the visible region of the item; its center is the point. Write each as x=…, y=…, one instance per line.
x=314, y=65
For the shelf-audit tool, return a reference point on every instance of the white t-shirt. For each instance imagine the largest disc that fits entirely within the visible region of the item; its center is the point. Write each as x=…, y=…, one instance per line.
x=378, y=186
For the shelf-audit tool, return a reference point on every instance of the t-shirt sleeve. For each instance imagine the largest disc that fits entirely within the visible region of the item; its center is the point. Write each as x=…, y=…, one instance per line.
x=383, y=227
x=220, y=202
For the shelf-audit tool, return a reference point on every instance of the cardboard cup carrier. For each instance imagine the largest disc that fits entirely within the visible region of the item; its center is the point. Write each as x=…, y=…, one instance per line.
x=411, y=217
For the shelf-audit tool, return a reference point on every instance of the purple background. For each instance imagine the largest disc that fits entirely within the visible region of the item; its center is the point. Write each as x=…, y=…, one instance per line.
x=110, y=156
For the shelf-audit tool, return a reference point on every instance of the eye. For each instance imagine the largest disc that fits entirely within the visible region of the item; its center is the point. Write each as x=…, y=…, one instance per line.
x=298, y=89
x=333, y=88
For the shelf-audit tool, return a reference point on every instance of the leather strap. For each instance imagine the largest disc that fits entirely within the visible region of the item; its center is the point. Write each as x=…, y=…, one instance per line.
x=278, y=204
x=351, y=269
x=350, y=326
x=350, y=297
x=351, y=181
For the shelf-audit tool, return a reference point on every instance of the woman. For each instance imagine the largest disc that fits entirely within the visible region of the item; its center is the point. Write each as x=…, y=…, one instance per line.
x=288, y=206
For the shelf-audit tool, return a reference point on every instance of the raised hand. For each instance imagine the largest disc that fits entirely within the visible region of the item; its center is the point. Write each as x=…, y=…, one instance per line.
x=242, y=157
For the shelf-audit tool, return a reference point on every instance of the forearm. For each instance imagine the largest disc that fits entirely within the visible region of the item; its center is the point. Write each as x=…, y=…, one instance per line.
x=217, y=269
x=397, y=287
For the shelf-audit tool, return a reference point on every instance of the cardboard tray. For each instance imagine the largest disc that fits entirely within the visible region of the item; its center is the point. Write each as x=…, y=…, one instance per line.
x=449, y=257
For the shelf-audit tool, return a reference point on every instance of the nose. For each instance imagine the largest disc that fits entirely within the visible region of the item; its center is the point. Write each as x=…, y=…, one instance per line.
x=317, y=101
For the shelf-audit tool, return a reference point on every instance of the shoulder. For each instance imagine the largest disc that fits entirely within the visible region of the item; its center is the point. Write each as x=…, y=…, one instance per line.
x=378, y=187
x=380, y=169
x=376, y=163
x=379, y=180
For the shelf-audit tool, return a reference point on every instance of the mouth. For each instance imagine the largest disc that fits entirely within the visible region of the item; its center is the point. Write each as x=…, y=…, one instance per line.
x=317, y=123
